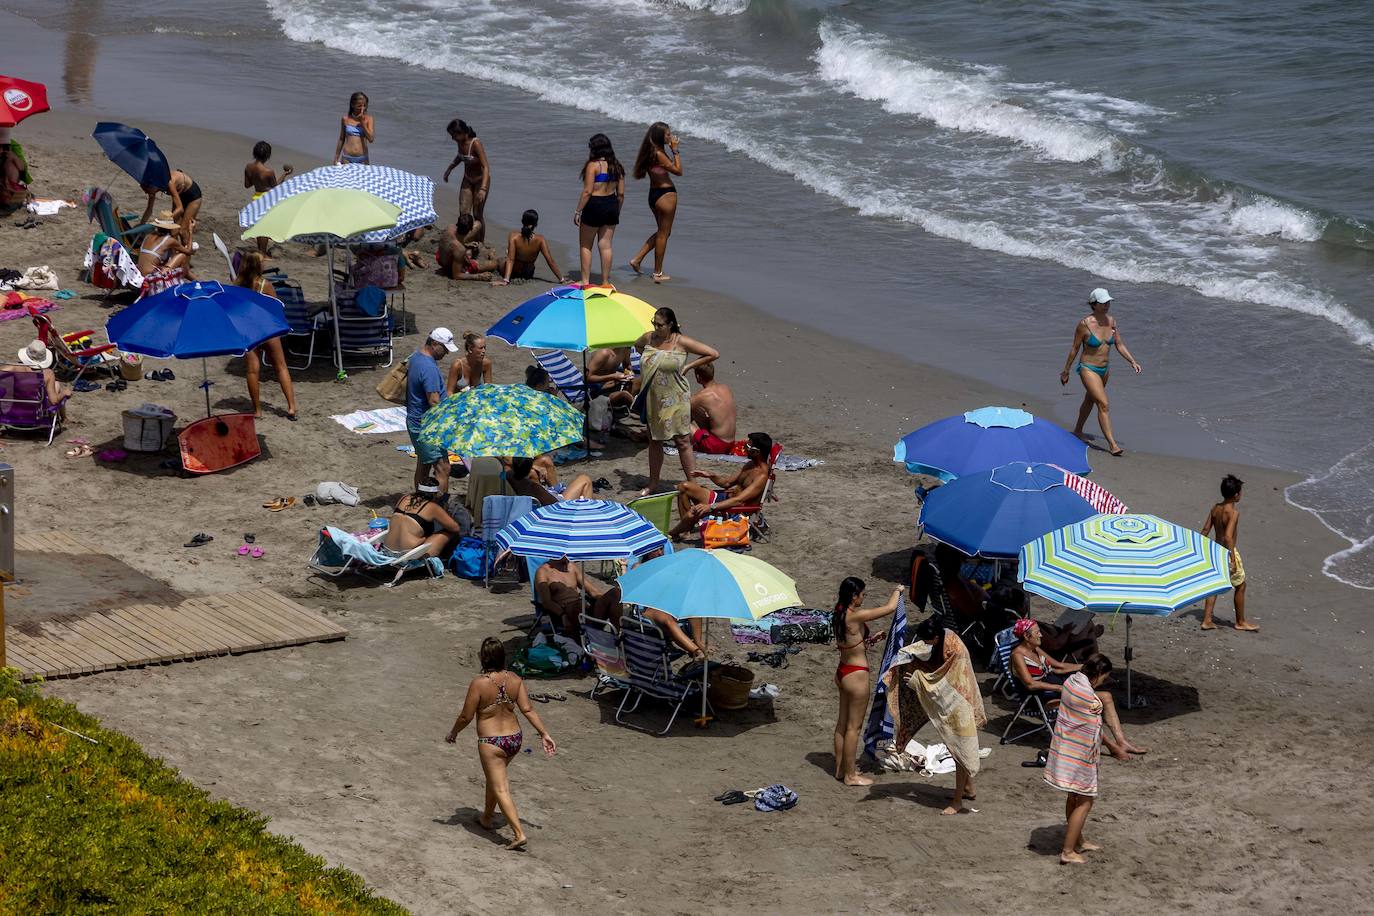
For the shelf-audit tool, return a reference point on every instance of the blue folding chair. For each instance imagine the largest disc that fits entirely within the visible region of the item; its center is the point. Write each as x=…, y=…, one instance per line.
x=498, y=512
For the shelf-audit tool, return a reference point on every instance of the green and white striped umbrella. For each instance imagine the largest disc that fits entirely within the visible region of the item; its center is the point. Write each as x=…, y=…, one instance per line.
x=1133, y=564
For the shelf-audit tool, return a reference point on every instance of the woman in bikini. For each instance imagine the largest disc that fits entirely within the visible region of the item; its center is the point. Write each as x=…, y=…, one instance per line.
x=474, y=368
x=598, y=209
x=1095, y=336
x=493, y=697
x=658, y=158
x=523, y=250
x=161, y=248
x=852, y=639
x=418, y=519
x=250, y=277
x=356, y=131
x=1036, y=670
x=186, y=200
x=472, y=195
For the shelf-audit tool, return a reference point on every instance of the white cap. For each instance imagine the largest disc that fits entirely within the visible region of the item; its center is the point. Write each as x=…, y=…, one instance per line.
x=36, y=355
x=1099, y=295
x=445, y=337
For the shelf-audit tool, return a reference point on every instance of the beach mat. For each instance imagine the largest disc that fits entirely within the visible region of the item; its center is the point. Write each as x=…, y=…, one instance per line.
x=385, y=420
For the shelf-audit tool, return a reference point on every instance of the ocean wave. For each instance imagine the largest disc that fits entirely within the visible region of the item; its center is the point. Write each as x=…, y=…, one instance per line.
x=1266, y=216
x=865, y=66
x=1342, y=498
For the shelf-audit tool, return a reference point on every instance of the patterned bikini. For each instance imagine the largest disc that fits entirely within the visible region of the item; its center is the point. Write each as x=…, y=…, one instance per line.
x=508, y=744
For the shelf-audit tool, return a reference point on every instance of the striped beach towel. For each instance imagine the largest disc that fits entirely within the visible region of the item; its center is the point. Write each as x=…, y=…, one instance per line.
x=1096, y=495
x=880, y=715
x=1072, y=762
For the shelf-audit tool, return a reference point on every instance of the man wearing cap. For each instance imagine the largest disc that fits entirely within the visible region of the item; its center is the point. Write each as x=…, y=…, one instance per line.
x=424, y=389
x=37, y=356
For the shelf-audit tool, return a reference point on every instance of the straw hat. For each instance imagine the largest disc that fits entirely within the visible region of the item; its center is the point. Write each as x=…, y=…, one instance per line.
x=166, y=224
x=36, y=355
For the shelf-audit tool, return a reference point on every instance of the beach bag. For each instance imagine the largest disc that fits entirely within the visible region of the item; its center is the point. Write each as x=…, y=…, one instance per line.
x=540, y=661
x=392, y=387
x=471, y=558
x=729, y=532
x=599, y=414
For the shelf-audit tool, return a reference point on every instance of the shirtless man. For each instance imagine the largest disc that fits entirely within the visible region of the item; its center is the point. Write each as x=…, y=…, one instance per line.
x=713, y=412
x=454, y=244
x=744, y=488
x=261, y=178
x=559, y=585
x=609, y=373
x=1225, y=519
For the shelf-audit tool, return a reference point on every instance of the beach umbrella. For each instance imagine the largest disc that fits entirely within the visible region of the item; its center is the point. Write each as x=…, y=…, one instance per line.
x=581, y=530
x=414, y=194
x=1128, y=564
x=19, y=99
x=200, y=319
x=340, y=212
x=134, y=152
x=501, y=420
x=709, y=583
x=989, y=437
x=575, y=317
x=992, y=513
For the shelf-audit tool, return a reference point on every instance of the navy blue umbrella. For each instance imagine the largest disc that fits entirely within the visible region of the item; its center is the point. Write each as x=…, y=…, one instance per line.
x=134, y=152
x=198, y=320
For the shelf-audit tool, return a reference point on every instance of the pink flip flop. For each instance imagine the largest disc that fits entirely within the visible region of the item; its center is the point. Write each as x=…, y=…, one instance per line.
x=257, y=553
x=243, y=550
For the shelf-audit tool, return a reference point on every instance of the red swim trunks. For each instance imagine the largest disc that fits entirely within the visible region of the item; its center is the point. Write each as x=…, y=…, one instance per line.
x=705, y=441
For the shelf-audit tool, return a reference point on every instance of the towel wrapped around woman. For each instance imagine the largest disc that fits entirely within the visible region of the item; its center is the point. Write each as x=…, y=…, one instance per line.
x=941, y=690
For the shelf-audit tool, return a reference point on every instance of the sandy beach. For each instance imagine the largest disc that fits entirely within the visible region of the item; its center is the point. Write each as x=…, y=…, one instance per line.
x=1252, y=798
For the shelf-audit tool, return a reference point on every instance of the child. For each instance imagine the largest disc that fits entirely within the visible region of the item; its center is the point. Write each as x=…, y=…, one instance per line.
x=1075, y=749
x=261, y=179
x=1225, y=518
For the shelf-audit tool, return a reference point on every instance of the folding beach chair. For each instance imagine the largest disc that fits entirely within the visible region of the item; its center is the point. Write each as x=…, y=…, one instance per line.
x=758, y=525
x=647, y=661
x=486, y=477
x=963, y=621
x=338, y=552
x=498, y=512
x=565, y=375
x=1029, y=703
x=100, y=209
x=602, y=644
x=361, y=334
x=75, y=353
x=656, y=509
x=24, y=403
x=306, y=321
x=1000, y=662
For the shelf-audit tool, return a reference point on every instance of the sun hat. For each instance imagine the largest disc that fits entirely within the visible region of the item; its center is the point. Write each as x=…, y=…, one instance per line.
x=166, y=224
x=37, y=355
x=1099, y=295
x=445, y=337
x=1022, y=627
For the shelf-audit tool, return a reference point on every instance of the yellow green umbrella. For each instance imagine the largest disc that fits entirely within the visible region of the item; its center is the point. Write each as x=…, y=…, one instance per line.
x=341, y=212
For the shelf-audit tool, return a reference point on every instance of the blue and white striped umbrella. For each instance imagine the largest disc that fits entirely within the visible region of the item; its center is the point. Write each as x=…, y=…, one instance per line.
x=414, y=194
x=581, y=529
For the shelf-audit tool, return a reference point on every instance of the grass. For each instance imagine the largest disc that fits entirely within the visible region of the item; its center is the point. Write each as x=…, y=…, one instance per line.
x=97, y=828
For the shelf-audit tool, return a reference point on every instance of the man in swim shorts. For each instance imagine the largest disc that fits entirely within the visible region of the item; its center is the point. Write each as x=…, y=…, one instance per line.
x=1224, y=519
x=743, y=488
x=713, y=413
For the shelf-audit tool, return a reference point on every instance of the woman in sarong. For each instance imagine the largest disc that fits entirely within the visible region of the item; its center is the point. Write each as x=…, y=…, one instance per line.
x=1075, y=751
x=941, y=677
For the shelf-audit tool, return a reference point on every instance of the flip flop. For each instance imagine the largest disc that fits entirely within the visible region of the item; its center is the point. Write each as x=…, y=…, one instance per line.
x=274, y=503
x=200, y=539
x=735, y=797
x=280, y=503
x=539, y=697
x=243, y=550
x=249, y=538
x=727, y=794
x=257, y=553
x=79, y=451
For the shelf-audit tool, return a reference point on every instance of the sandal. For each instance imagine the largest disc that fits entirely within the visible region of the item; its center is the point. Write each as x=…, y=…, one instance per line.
x=199, y=540
x=249, y=538
x=79, y=451
x=733, y=797
x=256, y=553
x=243, y=550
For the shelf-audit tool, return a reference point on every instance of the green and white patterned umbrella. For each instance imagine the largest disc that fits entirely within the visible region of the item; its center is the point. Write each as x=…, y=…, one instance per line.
x=501, y=421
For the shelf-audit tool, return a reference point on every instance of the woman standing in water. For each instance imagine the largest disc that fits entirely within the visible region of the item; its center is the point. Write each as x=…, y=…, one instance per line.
x=472, y=196
x=598, y=209
x=658, y=158
x=850, y=624
x=493, y=697
x=356, y=131
x=665, y=363
x=1095, y=336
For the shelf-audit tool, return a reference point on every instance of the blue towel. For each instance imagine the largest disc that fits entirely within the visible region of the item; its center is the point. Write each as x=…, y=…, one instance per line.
x=341, y=545
x=879, y=720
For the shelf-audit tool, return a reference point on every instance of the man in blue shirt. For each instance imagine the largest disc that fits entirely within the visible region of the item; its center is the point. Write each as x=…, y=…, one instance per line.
x=424, y=389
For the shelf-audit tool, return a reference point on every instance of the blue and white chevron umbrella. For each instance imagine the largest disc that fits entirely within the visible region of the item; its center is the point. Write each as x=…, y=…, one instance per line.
x=581, y=529
x=414, y=194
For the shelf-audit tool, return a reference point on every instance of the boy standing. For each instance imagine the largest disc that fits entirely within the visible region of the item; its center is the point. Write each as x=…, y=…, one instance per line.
x=261, y=179
x=1225, y=518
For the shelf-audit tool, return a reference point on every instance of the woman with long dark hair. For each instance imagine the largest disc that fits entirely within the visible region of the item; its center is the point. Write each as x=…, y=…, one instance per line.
x=493, y=697
x=523, y=250
x=658, y=159
x=598, y=209
x=665, y=362
x=250, y=277
x=356, y=131
x=852, y=638
x=472, y=194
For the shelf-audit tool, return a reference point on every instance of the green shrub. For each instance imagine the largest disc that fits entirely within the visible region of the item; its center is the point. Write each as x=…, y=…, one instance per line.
x=105, y=828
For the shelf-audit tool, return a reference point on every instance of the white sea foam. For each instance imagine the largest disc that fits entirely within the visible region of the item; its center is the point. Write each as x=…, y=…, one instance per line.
x=1266, y=216
x=865, y=66
x=1343, y=499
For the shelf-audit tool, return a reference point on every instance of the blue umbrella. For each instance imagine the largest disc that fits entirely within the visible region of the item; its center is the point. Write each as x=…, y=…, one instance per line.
x=198, y=320
x=134, y=152
x=992, y=513
x=581, y=530
x=990, y=437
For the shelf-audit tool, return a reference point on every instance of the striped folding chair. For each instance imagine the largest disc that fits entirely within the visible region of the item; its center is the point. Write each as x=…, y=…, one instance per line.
x=647, y=661
x=361, y=334
x=565, y=375
x=304, y=326
x=602, y=643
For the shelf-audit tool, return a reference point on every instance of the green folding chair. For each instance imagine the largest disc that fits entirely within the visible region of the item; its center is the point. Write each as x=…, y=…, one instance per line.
x=657, y=509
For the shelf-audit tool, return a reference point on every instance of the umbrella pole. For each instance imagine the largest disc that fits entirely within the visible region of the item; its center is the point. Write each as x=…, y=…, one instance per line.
x=205, y=383
x=587, y=413
x=334, y=307
x=705, y=667
x=1130, y=700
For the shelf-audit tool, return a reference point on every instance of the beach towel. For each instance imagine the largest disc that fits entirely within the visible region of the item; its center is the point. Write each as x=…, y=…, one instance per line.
x=19, y=305
x=383, y=420
x=943, y=692
x=108, y=259
x=1074, y=749
x=786, y=461
x=880, y=725
x=341, y=544
x=1096, y=495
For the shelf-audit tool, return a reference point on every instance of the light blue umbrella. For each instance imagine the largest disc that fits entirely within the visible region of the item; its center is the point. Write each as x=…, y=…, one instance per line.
x=989, y=437
x=581, y=530
x=1129, y=564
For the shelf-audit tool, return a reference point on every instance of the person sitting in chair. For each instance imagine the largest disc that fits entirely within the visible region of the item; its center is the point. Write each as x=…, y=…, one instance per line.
x=162, y=248
x=743, y=488
x=610, y=608
x=420, y=518
x=560, y=585
x=609, y=373
x=1035, y=670
x=36, y=356
x=524, y=484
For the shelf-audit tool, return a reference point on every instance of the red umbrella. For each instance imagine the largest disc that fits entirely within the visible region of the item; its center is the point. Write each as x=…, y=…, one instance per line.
x=19, y=99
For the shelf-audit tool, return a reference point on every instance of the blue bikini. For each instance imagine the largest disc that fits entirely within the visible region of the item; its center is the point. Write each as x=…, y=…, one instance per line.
x=1092, y=341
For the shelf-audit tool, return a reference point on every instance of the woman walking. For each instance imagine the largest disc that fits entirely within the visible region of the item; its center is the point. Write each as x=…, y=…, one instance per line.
x=1095, y=336
x=665, y=362
x=1074, y=754
x=852, y=638
x=250, y=277
x=472, y=194
x=356, y=131
x=598, y=209
x=659, y=159
x=493, y=697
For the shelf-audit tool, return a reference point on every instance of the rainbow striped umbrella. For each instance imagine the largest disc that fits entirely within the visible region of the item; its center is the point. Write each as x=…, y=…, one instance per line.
x=1129, y=564
x=575, y=317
